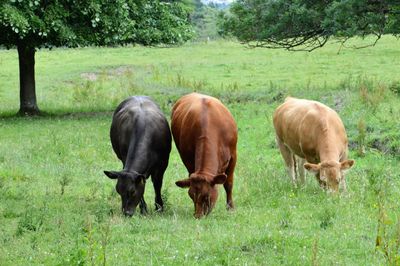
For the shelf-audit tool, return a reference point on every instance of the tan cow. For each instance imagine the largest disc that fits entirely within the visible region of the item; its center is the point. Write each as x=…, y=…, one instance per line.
x=311, y=131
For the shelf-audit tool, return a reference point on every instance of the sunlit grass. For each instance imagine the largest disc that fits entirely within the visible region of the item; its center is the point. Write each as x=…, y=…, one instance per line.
x=58, y=208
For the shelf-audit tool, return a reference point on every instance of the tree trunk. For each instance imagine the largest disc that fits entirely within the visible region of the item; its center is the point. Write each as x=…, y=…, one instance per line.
x=27, y=89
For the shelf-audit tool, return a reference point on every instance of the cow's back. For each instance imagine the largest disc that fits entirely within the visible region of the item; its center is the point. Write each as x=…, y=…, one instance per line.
x=136, y=119
x=301, y=124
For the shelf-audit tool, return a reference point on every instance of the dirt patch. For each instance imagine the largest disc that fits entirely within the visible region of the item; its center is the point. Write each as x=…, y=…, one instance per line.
x=383, y=145
x=122, y=70
x=277, y=98
x=110, y=73
x=353, y=144
x=89, y=76
x=338, y=103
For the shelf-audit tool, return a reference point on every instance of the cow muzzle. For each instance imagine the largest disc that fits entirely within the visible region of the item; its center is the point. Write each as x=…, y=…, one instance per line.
x=128, y=212
x=204, y=211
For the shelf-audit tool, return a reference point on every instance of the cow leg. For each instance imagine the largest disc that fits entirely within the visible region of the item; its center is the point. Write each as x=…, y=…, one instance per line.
x=289, y=159
x=143, y=206
x=228, y=185
x=301, y=170
x=157, y=178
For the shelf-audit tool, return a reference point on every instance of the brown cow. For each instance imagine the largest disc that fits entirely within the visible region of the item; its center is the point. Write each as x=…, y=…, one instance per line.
x=205, y=135
x=312, y=131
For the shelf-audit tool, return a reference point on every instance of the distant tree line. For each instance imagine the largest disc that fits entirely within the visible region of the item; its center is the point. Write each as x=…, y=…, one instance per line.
x=204, y=19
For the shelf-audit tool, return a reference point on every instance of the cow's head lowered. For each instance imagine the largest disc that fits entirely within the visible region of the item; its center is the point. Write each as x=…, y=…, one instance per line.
x=330, y=173
x=202, y=191
x=130, y=186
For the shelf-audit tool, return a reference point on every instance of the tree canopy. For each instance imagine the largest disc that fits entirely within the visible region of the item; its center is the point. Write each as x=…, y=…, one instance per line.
x=305, y=24
x=75, y=23
x=31, y=24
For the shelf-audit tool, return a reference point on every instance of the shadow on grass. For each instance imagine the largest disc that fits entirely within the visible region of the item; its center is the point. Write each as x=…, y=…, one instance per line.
x=57, y=115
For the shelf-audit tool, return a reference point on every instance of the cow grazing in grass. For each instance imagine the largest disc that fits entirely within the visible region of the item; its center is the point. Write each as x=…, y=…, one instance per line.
x=311, y=131
x=205, y=135
x=141, y=138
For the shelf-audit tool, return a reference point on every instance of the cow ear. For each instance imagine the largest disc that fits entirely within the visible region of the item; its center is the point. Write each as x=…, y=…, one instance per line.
x=184, y=183
x=219, y=179
x=112, y=174
x=313, y=168
x=346, y=165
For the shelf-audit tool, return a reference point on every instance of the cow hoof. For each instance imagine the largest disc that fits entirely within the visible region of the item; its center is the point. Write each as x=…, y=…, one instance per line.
x=128, y=213
x=144, y=211
x=159, y=208
x=230, y=207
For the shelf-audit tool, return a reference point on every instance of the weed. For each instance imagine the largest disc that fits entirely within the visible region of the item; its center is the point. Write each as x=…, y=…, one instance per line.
x=16, y=175
x=77, y=258
x=96, y=249
x=64, y=182
x=165, y=195
x=377, y=179
x=314, y=254
x=388, y=234
x=105, y=237
x=31, y=220
x=90, y=239
x=326, y=218
x=181, y=82
x=372, y=96
x=93, y=191
x=286, y=219
x=395, y=87
x=77, y=255
x=84, y=92
x=133, y=87
x=361, y=138
x=346, y=83
x=156, y=72
x=90, y=93
x=102, y=211
x=10, y=212
x=34, y=241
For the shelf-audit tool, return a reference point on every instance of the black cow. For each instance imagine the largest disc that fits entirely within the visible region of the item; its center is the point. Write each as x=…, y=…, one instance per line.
x=141, y=138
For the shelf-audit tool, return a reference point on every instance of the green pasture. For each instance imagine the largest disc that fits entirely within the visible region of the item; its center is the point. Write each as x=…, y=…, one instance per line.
x=58, y=208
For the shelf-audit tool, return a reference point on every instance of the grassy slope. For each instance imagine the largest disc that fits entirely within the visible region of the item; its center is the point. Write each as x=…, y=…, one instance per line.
x=273, y=224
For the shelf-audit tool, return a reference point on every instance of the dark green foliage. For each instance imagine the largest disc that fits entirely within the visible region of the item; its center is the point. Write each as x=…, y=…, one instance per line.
x=395, y=88
x=161, y=23
x=306, y=25
x=92, y=22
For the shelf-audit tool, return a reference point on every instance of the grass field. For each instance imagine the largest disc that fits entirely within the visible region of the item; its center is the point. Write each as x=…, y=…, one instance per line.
x=58, y=208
